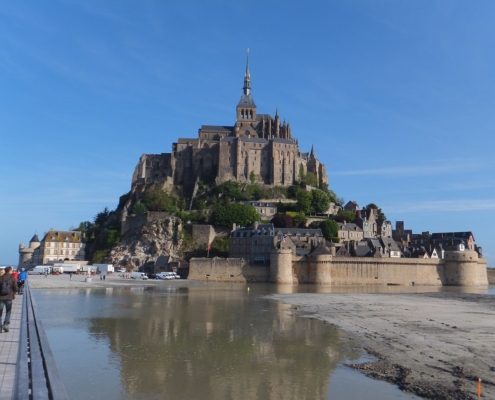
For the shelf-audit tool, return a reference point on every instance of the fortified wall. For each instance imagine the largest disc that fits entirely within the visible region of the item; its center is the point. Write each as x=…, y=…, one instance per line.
x=459, y=268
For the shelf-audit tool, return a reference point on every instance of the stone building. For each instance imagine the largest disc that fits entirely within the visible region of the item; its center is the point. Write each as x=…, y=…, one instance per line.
x=55, y=246
x=253, y=243
x=257, y=146
x=264, y=209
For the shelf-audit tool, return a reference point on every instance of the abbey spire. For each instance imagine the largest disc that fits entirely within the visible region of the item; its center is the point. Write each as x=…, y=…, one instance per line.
x=247, y=77
x=246, y=109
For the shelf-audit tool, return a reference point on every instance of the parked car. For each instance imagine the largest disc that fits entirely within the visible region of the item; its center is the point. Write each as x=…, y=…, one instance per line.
x=121, y=270
x=166, y=276
x=139, y=275
x=151, y=276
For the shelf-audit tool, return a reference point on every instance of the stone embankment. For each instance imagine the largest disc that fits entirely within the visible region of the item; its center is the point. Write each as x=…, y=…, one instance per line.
x=435, y=345
x=146, y=243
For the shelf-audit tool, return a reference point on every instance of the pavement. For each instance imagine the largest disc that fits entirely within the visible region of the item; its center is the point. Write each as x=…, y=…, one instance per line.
x=9, y=345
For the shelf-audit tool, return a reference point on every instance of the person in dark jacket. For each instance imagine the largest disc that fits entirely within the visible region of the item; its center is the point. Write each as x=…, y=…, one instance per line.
x=6, y=301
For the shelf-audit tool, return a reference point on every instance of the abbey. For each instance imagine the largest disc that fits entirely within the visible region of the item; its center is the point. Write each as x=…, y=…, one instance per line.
x=257, y=146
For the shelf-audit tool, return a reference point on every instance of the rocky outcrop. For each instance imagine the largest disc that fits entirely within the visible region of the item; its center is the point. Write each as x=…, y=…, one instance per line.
x=139, y=246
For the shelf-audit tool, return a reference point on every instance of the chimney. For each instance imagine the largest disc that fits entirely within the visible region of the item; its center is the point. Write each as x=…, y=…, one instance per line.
x=255, y=225
x=234, y=226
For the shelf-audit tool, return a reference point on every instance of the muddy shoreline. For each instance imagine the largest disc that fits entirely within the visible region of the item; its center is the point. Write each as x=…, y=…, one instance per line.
x=434, y=345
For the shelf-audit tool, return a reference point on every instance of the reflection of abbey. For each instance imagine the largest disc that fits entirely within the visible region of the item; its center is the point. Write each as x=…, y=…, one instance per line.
x=256, y=144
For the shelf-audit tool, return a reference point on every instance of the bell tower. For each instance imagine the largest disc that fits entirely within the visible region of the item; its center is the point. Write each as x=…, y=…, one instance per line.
x=246, y=109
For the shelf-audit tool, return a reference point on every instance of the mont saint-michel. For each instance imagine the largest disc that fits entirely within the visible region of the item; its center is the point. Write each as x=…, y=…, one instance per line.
x=257, y=145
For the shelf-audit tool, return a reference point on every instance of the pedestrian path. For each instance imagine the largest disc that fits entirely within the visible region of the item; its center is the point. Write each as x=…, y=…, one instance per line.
x=9, y=344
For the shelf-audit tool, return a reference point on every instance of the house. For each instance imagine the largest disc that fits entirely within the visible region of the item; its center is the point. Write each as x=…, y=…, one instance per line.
x=383, y=228
x=264, y=209
x=300, y=240
x=390, y=247
x=466, y=238
x=254, y=243
x=349, y=231
x=351, y=206
x=366, y=220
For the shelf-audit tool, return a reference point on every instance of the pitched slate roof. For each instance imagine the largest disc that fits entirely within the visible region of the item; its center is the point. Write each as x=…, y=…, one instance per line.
x=390, y=244
x=217, y=128
x=458, y=235
x=301, y=231
x=249, y=231
x=348, y=226
x=35, y=239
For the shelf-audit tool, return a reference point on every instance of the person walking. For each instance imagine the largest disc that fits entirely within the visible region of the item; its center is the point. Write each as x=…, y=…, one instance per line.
x=8, y=289
x=21, y=280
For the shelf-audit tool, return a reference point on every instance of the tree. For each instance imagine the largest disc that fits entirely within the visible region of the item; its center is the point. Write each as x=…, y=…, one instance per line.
x=311, y=179
x=230, y=189
x=102, y=217
x=329, y=228
x=302, y=175
x=252, y=177
x=282, y=221
x=182, y=204
x=320, y=202
x=347, y=216
x=304, y=199
x=253, y=192
x=139, y=208
x=156, y=199
x=240, y=214
x=379, y=211
x=293, y=191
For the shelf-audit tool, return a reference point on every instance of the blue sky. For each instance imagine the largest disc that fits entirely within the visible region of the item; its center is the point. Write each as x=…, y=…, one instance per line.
x=397, y=97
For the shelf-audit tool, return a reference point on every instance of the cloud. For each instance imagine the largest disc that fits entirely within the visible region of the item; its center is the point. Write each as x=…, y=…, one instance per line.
x=442, y=167
x=443, y=206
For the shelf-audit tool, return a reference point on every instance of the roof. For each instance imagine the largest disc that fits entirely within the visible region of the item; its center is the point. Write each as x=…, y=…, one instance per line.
x=458, y=235
x=217, y=128
x=362, y=249
x=280, y=140
x=246, y=101
x=349, y=226
x=161, y=261
x=390, y=244
x=35, y=239
x=300, y=231
x=249, y=231
x=61, y=236
x=259, y=204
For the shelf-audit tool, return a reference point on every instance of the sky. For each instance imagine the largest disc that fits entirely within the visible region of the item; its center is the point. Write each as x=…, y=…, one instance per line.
x=398, y=98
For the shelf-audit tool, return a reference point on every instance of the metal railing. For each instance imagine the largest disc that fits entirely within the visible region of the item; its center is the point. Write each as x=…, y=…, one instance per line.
x=36, y=376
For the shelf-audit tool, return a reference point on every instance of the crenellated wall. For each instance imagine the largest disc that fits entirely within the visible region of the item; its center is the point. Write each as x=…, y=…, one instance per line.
x=458, y=269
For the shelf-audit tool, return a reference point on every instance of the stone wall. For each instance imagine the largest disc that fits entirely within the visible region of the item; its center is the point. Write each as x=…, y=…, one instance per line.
x=491, y=275
x=203, y=234
x=138, y=221
x=325, y=270
x=227, y=270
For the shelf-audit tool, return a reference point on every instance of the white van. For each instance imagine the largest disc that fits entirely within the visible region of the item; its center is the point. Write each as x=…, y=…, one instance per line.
x=139, y=275
x=40, y=270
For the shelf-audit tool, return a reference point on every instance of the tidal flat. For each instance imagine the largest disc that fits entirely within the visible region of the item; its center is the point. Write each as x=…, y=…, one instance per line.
x=434, y=344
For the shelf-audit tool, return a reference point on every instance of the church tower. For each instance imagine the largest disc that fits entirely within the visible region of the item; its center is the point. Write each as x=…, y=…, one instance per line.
x=246, y=109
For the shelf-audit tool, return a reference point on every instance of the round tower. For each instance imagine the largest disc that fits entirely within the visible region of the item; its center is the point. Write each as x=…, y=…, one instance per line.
x=319, y=264
x=281, y=266
x=462, y=269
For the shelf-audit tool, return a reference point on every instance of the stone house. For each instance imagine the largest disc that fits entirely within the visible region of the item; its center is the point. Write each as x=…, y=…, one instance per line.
x=366, y=220
x=349, y=231
x=254, y=243
x=351, y=206
x=264, y=209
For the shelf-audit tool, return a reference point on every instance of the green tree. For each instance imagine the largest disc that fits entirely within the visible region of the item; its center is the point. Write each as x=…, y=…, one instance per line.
x=156, y=199
x=293, y=191
x=311, y=179
x=182, y=203
x=139, y=208
x=347, y=216
x=320, y=201
x=253, y=192
x=230, y=189
x=240, y=214
x=252, y=177
x=102, y=217
x=304, y=199
x=302, y=175
x=220, y=247
x=329, y=228
x=379, y=211
x=199, y=204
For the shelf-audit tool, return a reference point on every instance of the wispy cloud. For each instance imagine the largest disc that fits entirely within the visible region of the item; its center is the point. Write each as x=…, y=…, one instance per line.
x=443, y=206
x=442, y=167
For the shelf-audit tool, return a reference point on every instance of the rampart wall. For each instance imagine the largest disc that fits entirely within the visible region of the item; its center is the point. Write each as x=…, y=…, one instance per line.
x=456, y=270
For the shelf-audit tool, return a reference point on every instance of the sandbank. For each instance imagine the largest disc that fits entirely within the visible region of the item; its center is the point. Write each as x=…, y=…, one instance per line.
x=435, y=345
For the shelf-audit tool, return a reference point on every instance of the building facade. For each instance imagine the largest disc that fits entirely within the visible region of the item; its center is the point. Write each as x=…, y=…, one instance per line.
x=258, y=147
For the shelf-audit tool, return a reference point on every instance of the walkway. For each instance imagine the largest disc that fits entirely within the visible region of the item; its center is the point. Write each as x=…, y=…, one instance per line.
x=9, y=344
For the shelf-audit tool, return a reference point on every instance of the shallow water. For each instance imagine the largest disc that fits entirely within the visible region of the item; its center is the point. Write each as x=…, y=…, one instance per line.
x=215, y=341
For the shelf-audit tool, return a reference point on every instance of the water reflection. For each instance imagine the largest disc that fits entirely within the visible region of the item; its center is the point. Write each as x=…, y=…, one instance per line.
x=203, y=343
x=215, y=341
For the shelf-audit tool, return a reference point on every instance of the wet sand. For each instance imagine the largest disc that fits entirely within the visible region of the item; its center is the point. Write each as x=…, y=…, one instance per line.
x=79, y=281
x=435, y=345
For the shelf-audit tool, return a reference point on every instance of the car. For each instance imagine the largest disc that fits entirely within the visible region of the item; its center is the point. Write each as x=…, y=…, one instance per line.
x=151, y=276
x=121, y=270
x=165, y=276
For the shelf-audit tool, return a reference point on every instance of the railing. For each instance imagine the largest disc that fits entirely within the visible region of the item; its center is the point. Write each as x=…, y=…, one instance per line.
x=36, y=376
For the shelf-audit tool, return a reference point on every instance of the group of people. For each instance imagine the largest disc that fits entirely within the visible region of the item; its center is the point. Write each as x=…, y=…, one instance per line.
x=11, y=283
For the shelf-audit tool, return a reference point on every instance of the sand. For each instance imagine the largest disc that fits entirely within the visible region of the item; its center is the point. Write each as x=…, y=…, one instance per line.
x=435, y=345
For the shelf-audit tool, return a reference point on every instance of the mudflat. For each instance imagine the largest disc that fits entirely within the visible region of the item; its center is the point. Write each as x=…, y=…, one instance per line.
x=435, y=345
